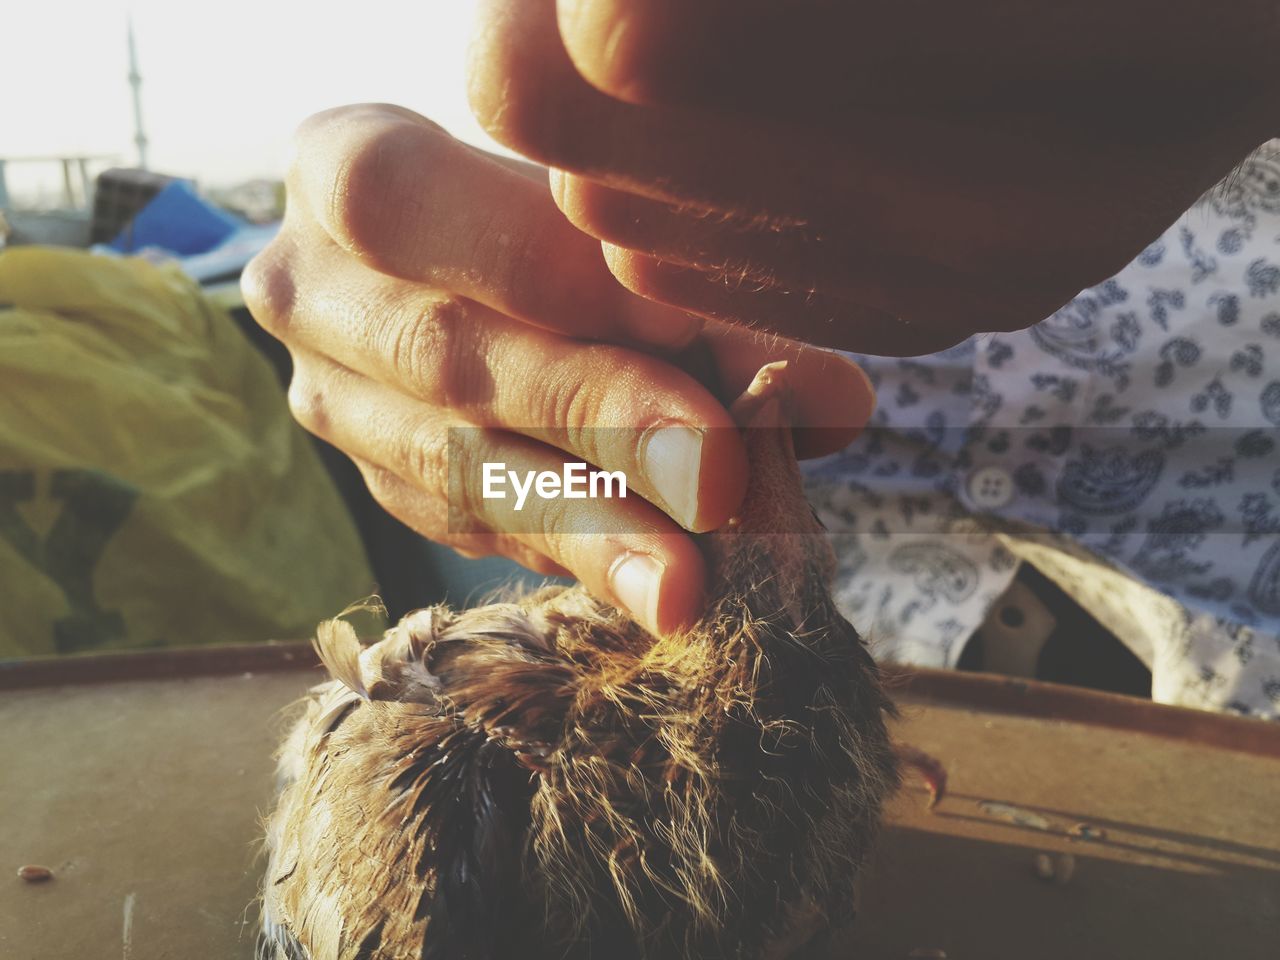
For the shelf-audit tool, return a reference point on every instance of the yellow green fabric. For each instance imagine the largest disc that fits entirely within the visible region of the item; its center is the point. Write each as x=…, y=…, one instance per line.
x=154, y=490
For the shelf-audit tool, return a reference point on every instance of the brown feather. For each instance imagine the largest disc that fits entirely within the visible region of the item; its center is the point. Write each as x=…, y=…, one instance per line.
x=543, y=779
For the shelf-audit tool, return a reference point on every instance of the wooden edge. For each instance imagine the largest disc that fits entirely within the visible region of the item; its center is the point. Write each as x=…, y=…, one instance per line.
x=988, y=692
x=156, y=664
x=1052, y=701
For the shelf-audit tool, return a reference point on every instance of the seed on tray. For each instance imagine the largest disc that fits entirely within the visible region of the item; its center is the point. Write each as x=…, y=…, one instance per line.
x=1087, y=831
x=34, y=873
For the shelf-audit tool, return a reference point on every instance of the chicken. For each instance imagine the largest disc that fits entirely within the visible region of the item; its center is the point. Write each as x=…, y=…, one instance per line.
x=544, y=779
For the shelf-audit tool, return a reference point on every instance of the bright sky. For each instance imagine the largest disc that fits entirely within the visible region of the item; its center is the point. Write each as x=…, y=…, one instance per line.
x=224, y=82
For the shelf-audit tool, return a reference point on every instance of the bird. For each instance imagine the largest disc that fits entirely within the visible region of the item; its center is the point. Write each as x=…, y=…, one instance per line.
x=543, y=778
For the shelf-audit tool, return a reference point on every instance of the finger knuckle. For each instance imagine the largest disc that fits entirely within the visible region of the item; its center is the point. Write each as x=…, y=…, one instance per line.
x=269, y=291
x=319, y=125
x=383, y=484
x=557, y=526
x=313, y=130
x=306, y=399
x=425, y=458
x=415, y=346
x=575, y=403
x=434, y=349
x=377, y=201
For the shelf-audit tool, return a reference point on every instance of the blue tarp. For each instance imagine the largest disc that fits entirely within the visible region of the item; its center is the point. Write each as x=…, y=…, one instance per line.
x=177, y=220
x=209, y=243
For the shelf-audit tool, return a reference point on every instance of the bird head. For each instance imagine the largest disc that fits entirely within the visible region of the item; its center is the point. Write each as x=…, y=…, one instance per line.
x=774, y=539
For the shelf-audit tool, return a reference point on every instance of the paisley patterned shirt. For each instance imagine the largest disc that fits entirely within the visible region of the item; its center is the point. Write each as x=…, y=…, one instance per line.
x=1128, y=447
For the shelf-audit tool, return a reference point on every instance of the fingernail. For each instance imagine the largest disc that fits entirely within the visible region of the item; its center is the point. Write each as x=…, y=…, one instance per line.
x=636, y=580
x=672, y=461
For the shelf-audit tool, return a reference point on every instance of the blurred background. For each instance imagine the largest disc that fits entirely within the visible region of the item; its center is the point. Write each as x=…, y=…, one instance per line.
x=154, y=490
x=222, y=85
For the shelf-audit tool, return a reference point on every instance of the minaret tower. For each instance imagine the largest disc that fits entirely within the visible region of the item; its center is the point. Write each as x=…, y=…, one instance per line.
x=135, y=81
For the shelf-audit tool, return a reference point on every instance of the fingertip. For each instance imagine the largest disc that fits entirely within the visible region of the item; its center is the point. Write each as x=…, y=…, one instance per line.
x=836, y=401
x=682, y=599
x=558, y=181
x=517, y=78
x=658, y=324
x=591, y=207
x=660, y=581
x=834, y=397
x=483, y=71
x=645, y=320
x=722, y=478
x=612, y=44
x=637, y=272
x=682, y=595
x=611, y=215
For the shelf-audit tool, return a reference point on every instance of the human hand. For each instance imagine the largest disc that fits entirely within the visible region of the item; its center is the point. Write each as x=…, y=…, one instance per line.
x=882, y=177
x=421, y=285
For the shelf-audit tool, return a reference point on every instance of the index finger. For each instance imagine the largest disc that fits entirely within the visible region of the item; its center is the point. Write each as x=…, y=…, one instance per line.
x=787, y=57
x=834, y=398
x=396, y=191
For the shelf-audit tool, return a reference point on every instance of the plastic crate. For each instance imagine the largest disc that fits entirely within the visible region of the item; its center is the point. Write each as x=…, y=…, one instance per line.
x=120, y=193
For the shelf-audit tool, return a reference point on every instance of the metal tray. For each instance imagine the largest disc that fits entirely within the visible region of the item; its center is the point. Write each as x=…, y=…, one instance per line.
x=141, y=780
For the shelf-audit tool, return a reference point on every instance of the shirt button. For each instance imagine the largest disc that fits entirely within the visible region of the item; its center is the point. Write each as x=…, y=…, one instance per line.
x=990, y=487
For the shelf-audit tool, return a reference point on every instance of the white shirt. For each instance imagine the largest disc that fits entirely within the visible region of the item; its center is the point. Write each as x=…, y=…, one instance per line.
x=1128, y=447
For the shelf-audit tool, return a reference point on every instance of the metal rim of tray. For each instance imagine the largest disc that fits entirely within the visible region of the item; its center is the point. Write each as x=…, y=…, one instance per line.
x=987, y=692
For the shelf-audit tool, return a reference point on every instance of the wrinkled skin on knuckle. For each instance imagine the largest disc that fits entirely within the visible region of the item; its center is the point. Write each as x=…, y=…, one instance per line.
x=555, y=522
x=388, y=490
x=579, y=405
x=414, y=344
x=423, y=455
x=437, y=350
x=308, y=151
